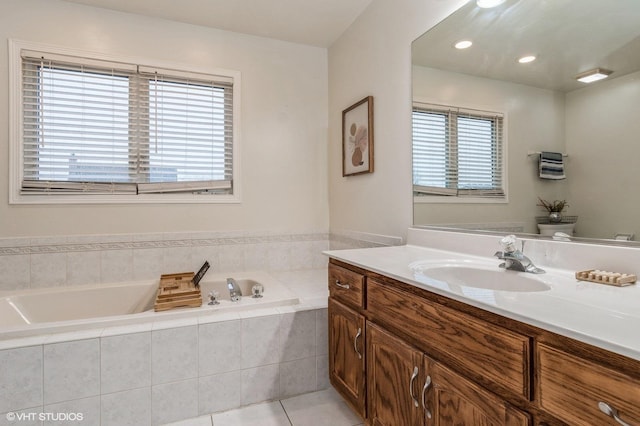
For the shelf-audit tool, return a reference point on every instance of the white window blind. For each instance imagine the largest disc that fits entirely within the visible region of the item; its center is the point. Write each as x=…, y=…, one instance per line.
x=457, y=152
x=96, y=127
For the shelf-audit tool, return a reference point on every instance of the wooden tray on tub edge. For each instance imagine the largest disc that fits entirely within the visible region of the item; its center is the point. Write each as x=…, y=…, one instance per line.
x=177, y=291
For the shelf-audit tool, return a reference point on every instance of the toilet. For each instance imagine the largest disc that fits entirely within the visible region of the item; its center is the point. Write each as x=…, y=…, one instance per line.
x=551, y=229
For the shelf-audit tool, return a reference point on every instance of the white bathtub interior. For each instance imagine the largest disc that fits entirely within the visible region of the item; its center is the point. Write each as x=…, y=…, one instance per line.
x=77, y=303
x=73, y=308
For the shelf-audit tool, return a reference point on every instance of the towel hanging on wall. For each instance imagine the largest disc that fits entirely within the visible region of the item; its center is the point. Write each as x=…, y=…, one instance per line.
x=551, y=165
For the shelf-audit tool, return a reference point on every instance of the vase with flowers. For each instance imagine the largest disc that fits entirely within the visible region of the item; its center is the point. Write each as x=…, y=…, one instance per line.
x=554, y=208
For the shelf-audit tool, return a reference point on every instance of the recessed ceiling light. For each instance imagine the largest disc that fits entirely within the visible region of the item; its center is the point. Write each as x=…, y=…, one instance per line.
x=463, y=44
x=486, y=4
x=593, y=75
x=527, y=59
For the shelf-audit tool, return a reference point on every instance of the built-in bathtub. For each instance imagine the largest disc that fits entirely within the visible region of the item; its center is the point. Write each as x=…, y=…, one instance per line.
x=53, y=310
x=105, y=353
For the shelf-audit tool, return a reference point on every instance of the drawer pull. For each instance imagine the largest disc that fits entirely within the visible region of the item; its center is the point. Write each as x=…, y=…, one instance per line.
x=339, y=284
x=355, y=343
x=413, y=377
x=427, y=385
x=611, y=412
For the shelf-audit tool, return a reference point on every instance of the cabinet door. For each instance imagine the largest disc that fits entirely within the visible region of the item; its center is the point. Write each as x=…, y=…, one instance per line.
x=453, y=400
x=393, y=380
x=346, y=354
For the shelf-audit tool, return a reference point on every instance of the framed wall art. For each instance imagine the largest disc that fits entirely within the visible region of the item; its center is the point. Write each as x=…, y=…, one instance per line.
x=357, y=138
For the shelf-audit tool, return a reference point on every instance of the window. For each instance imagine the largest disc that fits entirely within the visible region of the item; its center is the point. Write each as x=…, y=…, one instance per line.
x=101, y=130
x=457, y=153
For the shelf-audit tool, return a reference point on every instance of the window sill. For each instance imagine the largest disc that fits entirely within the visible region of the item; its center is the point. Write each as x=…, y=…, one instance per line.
x=125, y=199
x=458, y=200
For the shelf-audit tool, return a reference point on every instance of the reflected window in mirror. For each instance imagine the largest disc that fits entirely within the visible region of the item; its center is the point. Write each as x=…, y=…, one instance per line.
x=457, y=154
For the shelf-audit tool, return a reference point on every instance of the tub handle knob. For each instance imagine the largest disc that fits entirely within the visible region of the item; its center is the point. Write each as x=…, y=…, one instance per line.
x=213, y=298
x=257, y=291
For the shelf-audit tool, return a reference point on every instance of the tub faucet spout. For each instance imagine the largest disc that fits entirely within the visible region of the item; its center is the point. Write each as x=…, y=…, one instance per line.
x=234, y=290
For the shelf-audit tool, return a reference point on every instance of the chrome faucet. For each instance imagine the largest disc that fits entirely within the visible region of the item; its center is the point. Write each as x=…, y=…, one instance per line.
x=514, y=259
x=234, y=290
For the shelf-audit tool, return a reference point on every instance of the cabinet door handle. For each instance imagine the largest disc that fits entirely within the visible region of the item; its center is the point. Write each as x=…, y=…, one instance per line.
x=339, y=284
x=413, y=377
x=355, y=343
x=427, y=385
x=611, y=412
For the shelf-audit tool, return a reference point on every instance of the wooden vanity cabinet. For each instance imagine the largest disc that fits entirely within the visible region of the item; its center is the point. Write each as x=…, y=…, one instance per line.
x=425, y=359
x=346, y=354
x=407, y=387
x=494, y=355
x=347, y=336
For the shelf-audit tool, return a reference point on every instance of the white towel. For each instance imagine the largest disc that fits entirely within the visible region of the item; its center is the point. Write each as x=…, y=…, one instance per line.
x=551, y=165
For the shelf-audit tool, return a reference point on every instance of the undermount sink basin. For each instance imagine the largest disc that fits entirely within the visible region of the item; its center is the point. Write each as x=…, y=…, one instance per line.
x=477, y=277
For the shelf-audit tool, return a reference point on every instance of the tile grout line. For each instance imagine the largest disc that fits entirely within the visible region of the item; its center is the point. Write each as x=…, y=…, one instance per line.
x=285, y=412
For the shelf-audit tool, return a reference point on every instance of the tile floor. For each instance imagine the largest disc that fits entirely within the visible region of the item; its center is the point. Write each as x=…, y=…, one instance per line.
x=322, y=408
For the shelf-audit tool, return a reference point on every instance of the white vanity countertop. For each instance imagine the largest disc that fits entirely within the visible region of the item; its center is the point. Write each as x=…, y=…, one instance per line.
x=601, y=315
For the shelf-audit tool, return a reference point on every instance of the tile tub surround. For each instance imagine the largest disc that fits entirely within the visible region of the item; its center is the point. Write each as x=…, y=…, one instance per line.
x=93, y=259
x=154, y=374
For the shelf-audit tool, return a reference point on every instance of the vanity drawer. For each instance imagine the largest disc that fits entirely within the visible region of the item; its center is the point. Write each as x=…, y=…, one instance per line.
x=346, y=286
x=489, y=353
x=570, y=389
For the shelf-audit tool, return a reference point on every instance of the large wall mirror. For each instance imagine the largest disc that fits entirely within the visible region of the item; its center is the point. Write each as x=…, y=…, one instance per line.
x=542, y=108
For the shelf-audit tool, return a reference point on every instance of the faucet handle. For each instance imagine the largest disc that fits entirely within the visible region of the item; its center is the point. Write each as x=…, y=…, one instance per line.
x=213, y=297
x=508, y=243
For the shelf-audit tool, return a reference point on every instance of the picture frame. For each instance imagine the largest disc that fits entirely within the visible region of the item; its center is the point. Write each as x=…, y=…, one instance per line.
x=357, y=138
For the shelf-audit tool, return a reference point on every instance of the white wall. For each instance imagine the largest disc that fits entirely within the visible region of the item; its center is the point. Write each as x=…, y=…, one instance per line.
x=373, y=57
x=603, y=140
x=534, y=121
x=283, y=122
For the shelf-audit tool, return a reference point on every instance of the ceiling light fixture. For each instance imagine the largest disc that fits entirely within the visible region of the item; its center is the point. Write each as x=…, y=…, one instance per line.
x=527, y=59
x=463, y=44
x=486, y=4
x=593, y=75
